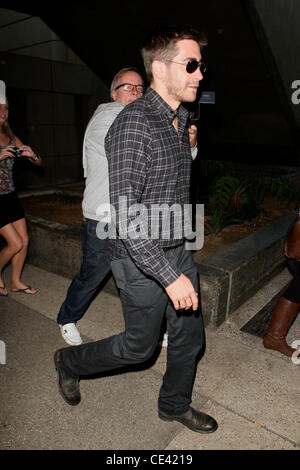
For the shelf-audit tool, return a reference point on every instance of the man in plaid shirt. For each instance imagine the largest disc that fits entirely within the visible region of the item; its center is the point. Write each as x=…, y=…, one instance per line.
x=149, y=160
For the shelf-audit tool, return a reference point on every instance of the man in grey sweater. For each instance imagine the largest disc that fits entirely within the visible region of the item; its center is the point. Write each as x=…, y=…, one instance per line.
x=126, y=87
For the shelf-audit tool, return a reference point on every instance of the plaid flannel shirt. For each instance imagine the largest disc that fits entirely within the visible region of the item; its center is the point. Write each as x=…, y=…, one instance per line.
x=149, y=163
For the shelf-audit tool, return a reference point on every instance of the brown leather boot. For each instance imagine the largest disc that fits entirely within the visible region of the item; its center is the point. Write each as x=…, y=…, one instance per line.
x=283, y=315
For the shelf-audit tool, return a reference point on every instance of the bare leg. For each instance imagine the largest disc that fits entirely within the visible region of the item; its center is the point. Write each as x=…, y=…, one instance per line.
x=14, y=245
x=18, y=259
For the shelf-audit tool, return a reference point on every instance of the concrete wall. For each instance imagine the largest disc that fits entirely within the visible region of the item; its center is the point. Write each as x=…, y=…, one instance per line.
x=29, y=35
x=232, y=276
x=227, y=279
x=52, y=96
x=50, y=104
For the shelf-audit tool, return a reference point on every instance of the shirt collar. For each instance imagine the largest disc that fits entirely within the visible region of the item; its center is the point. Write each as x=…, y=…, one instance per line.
x=163, y=107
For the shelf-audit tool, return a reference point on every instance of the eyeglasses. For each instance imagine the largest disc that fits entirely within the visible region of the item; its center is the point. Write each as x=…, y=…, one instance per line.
x=192, y=65
x=130, y=87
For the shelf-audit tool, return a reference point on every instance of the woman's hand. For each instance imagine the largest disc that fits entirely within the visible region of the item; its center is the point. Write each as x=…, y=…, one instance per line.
x=7, y=152
x=29, y=153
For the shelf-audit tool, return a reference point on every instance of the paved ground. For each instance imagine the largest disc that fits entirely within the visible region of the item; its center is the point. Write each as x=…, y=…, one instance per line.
x=253, y=393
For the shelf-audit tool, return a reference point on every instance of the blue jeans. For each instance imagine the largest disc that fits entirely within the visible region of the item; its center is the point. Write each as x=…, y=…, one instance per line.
x=94, y=268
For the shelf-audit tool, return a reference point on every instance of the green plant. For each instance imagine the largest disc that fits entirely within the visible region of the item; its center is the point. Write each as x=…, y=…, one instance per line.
x=218, y=221
x=228, y=192
x=236, y=192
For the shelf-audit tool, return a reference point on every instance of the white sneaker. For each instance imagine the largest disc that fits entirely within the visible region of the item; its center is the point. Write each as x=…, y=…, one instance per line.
x=165, y=341
x=70, y=334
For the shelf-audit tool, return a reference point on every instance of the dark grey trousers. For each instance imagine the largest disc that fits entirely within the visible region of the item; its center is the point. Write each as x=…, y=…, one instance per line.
x=145, y=303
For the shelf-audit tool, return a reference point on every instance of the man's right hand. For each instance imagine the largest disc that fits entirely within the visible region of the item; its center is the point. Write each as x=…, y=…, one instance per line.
x=183, y=294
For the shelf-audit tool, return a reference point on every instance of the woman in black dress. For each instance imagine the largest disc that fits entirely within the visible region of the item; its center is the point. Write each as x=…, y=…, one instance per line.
x=12, y=219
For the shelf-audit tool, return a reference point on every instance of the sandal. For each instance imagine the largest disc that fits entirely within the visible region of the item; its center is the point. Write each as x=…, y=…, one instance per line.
x=23, y=291
x=1, y=293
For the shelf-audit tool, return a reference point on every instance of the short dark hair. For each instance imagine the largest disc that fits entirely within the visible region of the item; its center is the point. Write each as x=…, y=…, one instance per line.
x=160, y=44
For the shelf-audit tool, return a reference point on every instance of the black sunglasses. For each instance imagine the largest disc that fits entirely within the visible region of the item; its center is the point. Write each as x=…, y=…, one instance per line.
x=192, y=65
